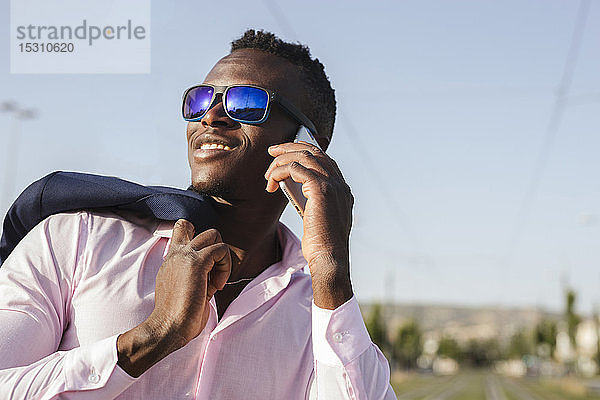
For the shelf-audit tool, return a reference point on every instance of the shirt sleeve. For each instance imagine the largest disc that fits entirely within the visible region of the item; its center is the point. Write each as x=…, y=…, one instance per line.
x=347, y=364
x=36, y=286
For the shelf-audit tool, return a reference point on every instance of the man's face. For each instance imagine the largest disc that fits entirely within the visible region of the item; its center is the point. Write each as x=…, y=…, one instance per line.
x=237, y=174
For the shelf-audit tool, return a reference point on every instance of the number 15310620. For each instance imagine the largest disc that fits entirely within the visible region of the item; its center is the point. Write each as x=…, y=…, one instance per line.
x=46, y=47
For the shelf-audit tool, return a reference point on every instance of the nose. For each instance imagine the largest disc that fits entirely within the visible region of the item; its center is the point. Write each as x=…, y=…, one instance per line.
x=216, y=117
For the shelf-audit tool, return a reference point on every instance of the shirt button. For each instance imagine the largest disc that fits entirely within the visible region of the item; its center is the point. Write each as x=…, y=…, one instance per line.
x=94, y=378
x=338, y=337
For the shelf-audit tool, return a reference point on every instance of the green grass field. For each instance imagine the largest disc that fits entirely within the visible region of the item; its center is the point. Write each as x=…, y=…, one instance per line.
x=478, y=385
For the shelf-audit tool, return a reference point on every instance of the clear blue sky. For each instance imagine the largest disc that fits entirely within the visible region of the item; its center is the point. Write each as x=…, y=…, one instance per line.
x=443, y=109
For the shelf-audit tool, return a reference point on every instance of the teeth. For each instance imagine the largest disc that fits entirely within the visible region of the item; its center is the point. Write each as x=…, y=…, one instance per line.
x=211, y=146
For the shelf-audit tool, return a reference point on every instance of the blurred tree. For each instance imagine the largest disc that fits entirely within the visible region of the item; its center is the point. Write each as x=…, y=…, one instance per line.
x=545, y=337
x=408, y=345
x=572, y=318
x=521, y=344
x=596, y=325
x=449, y=347
x=378, y=329
x=482, y=353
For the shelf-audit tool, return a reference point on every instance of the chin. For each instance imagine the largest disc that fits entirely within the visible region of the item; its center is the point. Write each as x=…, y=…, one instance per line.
x=212, y=187
x=233, y=182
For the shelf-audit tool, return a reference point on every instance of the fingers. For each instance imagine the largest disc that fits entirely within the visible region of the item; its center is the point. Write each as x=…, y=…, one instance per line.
x=294, y=170
x=298, y=146
x=205, y=239
x=304, y=157
x=220, y=256
x=306, y=164
x=216, y=256
x=183, y=232
x=308, y=155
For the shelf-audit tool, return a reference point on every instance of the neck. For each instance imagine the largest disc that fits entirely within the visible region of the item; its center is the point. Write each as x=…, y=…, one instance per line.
x=251, y=233
x=250, y=230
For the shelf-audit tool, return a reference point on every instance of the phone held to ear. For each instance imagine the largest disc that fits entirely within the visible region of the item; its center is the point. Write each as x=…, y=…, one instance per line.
x=291, y=189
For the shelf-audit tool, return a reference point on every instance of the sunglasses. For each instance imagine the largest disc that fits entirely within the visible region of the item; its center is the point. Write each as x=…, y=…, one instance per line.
x=247, y=104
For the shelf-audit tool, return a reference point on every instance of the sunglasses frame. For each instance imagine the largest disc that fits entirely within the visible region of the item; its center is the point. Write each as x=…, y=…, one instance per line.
x=273, y=96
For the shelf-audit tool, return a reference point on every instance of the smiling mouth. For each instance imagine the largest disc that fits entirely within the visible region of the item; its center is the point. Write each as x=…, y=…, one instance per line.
x=209, y=145
x=210, y=149
x=214, y=146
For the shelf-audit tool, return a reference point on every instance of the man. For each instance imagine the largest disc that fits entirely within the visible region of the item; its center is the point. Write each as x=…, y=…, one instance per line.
x=98, y=305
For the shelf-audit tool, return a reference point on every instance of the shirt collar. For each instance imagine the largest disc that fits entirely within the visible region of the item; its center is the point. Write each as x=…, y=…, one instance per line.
x=266, y=285
x=164, y=229
x=291, y=246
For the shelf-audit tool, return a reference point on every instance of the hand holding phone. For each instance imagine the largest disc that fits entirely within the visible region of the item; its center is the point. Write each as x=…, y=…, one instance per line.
x=327, y=218
x=292, y=189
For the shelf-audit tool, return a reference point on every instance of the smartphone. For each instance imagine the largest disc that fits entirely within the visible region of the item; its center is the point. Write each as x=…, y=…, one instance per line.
x=291, y=189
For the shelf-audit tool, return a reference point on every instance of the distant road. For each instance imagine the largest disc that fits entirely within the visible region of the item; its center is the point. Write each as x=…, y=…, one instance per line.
x=480, y=386
x=493, y=390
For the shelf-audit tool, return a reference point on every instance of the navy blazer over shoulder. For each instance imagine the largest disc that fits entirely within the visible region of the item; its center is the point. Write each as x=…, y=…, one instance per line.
x=70, y=191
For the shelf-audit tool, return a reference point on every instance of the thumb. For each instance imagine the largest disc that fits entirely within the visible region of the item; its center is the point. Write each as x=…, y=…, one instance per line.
x=183, y=232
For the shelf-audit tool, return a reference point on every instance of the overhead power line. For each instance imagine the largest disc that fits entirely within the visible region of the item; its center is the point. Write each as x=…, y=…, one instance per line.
x=552, y=128
x=280, y=17
x=382, y=184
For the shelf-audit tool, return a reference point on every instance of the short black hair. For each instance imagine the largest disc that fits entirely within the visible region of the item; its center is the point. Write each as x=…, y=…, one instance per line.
x=322, y=105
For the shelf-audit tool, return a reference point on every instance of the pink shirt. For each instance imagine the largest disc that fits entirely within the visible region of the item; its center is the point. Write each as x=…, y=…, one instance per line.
x=78, y=280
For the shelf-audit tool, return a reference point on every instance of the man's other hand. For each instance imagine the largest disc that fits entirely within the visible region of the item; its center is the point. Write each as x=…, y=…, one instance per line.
x=194, y=269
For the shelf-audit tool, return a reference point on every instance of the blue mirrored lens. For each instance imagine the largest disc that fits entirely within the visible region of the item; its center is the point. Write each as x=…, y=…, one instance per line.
x=197, y=102
x=246, y=103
